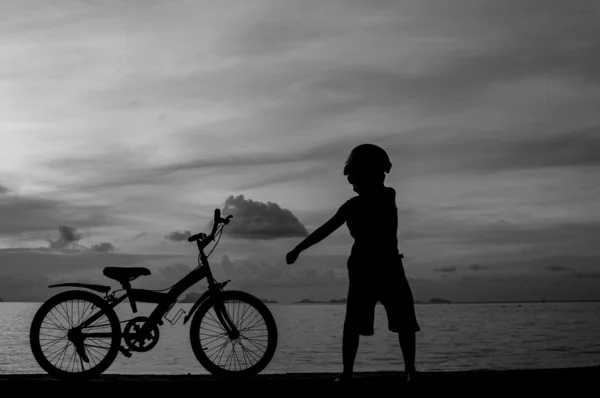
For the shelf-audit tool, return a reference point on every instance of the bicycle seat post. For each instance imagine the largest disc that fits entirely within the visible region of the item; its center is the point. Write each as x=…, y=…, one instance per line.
x=127, y=286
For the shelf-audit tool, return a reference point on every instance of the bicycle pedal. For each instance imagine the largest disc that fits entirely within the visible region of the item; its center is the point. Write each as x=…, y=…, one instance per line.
x=125, y=352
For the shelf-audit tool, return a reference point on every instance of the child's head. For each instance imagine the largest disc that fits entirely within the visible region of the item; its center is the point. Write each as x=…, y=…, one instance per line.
x=366, y=167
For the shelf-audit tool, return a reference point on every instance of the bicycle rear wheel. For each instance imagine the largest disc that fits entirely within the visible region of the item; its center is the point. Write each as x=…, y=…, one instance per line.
x=60, y=351
x=246, y=355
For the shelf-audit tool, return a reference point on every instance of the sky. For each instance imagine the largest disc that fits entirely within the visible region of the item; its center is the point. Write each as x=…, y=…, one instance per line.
x=124, y=124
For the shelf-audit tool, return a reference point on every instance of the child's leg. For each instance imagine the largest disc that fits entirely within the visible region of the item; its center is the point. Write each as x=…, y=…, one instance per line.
x=360, y=315
x=408, y=345
x=350, y=342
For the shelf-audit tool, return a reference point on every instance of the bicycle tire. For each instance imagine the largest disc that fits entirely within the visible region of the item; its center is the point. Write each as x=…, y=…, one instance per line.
x=254, y=303
x=35, y=333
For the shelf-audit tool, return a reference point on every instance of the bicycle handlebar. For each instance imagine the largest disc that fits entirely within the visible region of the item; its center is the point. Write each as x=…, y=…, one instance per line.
x=206, y=239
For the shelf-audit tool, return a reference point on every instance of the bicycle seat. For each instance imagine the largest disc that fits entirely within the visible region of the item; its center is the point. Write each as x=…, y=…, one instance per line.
x=125, y=274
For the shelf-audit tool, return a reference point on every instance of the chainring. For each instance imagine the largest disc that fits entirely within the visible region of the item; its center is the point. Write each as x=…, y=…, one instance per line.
x=132, y=340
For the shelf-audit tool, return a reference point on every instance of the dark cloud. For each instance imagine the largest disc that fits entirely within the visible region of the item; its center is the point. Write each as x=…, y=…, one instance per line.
x=67, y=237
x=178, y=236
x=3, y=189
x=446, y=269
x=258, y=220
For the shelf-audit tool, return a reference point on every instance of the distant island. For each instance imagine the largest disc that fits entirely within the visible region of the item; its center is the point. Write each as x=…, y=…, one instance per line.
x=333, y=301
x=266, y=301
x=439, y=301
x=1, y=301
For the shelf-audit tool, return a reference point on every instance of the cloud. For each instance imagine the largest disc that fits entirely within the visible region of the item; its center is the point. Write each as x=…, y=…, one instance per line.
x=258, y=220
x=3, y=189
x=68, y=241
x=67, y=237
x=178, y=236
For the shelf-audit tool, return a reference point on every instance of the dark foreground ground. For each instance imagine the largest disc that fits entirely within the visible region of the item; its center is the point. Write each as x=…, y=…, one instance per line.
x=483, y=383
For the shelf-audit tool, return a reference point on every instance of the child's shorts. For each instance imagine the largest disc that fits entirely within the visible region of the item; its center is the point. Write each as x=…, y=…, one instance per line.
x=392, y=291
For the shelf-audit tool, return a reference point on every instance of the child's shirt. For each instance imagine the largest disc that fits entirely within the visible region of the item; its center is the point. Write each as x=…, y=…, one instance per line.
x=372, y=220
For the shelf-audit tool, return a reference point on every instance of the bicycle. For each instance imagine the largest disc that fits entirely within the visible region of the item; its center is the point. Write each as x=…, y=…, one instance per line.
x=141, y=334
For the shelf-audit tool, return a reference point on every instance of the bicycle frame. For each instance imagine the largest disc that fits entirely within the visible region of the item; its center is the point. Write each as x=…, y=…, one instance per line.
x=166, y=301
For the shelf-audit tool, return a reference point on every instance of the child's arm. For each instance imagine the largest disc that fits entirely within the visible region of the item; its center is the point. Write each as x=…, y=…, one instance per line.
x=319, y=234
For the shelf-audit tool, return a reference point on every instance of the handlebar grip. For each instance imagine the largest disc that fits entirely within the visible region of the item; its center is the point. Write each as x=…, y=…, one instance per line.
x=194, y=237
x=217, y=214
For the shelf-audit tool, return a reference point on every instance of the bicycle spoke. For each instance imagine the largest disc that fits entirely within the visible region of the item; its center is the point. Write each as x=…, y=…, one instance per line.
x=51, y=344
x=221, y=350
x=54, y=328
x=56, y=318
x=59, y=352
x=254, y=344
x=250, y=353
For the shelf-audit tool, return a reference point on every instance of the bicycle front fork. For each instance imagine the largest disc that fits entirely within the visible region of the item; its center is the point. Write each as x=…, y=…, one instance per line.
x=225, y=320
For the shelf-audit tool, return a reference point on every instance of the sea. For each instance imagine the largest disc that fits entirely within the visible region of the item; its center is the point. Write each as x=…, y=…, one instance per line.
x=453, y=337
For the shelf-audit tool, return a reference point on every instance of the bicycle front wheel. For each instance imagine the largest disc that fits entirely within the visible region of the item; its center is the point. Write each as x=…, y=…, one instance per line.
x=246, y=354
x=67, y=352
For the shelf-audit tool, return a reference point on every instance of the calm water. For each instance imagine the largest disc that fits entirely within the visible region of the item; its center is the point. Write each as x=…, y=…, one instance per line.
x=453, y=337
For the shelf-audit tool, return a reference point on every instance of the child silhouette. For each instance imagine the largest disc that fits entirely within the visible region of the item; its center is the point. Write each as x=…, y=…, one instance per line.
x=375, y=268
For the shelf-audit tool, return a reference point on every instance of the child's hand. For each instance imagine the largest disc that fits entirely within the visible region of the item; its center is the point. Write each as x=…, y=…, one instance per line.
x=291, y=257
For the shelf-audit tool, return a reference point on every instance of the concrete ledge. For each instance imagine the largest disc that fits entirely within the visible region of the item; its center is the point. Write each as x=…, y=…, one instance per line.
x=534, y=380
